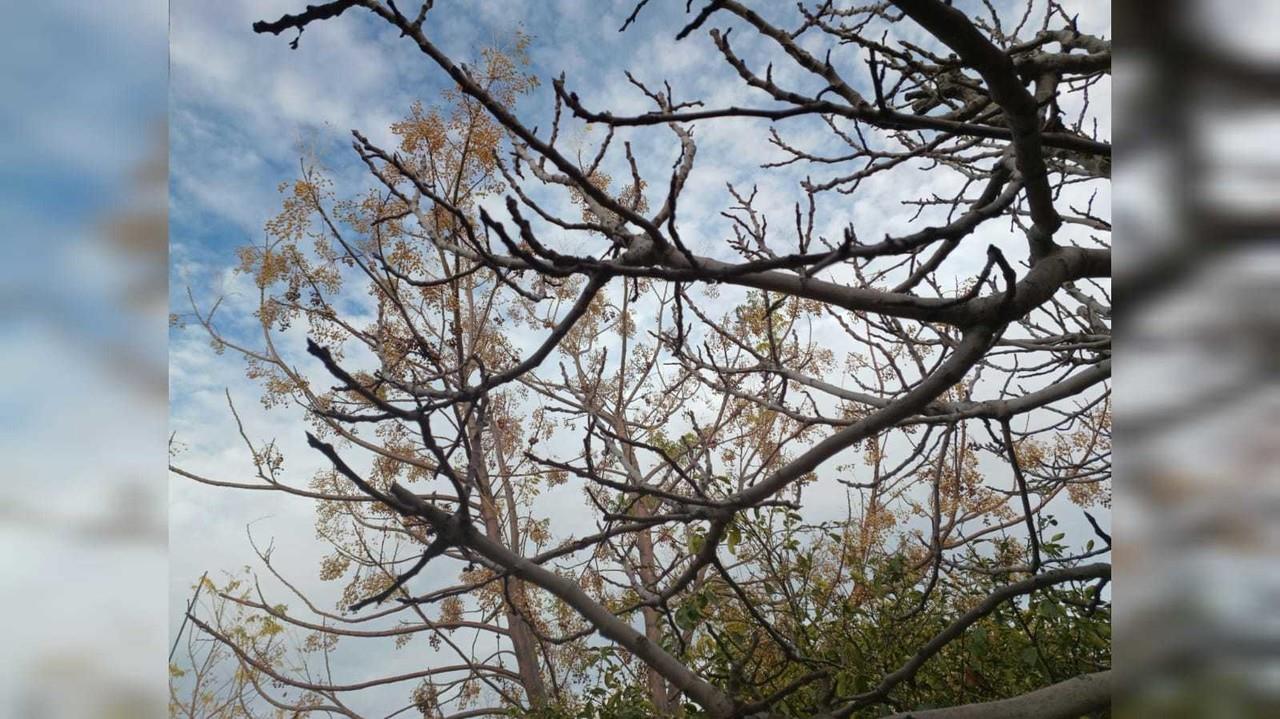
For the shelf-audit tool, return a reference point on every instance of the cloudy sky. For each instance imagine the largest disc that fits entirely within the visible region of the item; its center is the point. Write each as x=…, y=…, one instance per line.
x=244, y=108
x=81, y=346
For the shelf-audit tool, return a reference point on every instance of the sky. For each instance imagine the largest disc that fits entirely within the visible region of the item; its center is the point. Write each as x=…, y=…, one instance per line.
x=82, y=576
x=243, y=109
x=82, y=342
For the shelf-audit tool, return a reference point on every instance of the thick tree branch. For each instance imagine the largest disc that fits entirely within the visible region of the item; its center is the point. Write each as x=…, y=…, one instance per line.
x=1065, y=700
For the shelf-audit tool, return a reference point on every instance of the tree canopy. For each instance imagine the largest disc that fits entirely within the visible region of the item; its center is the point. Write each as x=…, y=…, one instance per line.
x=829, y=466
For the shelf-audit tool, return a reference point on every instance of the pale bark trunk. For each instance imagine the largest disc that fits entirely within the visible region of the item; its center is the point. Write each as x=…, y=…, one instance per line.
x=524, y=643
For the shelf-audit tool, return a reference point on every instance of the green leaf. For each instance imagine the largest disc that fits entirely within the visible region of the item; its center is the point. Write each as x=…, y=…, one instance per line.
x=978, y=641
x=842, y=685
x=688, y=616
x=1050, y=610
